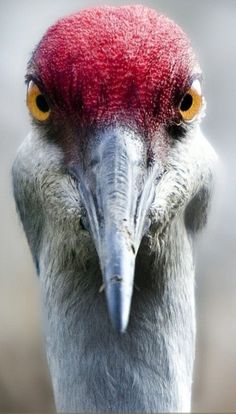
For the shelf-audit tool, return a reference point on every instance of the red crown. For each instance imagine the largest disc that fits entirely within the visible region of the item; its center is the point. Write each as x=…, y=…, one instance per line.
x=122, y=63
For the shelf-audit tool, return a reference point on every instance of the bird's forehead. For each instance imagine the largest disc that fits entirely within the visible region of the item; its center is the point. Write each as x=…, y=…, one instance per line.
x=108, y=60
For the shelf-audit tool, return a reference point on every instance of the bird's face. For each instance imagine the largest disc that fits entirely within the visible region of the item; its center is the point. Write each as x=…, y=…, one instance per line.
x=114, y=88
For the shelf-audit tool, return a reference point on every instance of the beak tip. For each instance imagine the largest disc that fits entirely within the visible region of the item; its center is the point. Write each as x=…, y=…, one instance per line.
x=119, y=301
x=119, y=326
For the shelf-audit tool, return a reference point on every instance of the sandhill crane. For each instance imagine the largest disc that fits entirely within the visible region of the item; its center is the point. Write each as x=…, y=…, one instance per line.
x=111, y=186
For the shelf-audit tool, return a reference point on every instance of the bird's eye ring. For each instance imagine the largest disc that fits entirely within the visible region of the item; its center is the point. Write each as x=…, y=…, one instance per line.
x=191, y=102
x=37, y=103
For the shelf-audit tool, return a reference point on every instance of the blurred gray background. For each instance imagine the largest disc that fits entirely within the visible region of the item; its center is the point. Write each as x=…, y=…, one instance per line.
x=24, y=380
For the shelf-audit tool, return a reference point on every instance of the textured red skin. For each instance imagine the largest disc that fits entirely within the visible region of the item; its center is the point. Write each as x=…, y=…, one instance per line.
x=127, y=64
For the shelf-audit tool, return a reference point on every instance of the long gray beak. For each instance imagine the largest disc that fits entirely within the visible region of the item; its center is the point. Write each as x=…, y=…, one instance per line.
x=117, y=190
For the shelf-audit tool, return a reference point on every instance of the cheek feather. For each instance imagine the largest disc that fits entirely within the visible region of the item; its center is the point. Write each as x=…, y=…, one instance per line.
x=128, y=63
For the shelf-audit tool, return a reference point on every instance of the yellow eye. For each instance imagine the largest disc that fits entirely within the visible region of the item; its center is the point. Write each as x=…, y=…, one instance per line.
x=37, y=103
x=192, y=102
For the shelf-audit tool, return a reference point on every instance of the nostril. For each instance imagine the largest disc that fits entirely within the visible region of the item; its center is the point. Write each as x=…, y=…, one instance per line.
x=82, y=224
x=116, y=279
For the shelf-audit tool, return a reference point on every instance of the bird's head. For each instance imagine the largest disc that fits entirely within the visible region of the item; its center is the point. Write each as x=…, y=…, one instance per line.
x=113, y=89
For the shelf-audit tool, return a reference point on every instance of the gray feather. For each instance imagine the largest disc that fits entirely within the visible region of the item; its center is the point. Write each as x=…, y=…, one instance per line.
x=94, y=368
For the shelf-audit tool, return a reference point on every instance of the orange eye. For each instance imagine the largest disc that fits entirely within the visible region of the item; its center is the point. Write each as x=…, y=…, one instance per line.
x=192, y=102
x=37, y=103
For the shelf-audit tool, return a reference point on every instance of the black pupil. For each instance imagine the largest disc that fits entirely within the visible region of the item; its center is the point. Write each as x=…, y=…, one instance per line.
x=186, y=102
x=42, y=103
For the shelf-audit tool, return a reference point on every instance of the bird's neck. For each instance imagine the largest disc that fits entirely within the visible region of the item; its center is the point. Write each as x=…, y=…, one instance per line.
x=147, y=369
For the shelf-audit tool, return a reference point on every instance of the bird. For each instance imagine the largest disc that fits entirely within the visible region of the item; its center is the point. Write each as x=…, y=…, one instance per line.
x=112, y=185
